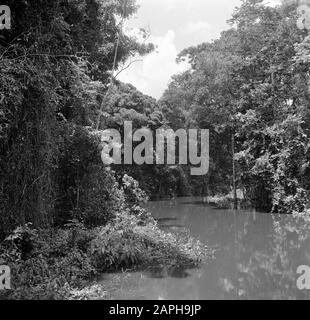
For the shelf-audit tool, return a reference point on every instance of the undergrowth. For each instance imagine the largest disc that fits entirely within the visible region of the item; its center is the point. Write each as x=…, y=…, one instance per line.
x=60, y=264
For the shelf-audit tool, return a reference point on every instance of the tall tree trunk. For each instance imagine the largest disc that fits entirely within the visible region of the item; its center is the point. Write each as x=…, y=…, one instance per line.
x=234, y=171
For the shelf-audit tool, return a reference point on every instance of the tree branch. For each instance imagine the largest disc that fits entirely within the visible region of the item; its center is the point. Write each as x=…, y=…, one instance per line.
x=128, y=66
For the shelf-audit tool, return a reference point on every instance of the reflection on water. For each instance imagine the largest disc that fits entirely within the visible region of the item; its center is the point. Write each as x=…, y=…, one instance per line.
x=172, y=272
x=257, y=256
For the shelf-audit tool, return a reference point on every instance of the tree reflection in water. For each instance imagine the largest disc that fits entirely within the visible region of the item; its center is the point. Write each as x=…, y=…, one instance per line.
x=267, y=268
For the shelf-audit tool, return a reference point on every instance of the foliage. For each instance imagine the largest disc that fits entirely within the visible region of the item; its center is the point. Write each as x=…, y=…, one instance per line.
x=251, y=84
x=60, y=263
x=128, y=243
x=55, y=63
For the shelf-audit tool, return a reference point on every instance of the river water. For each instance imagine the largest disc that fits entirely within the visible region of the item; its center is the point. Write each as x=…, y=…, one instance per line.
x=257, y=256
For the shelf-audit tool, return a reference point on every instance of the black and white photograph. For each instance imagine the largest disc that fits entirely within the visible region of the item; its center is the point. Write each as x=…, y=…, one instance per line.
x=155, y=151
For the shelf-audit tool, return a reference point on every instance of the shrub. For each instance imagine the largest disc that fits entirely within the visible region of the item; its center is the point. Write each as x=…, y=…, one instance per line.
x=128, y=243
x=62, y=261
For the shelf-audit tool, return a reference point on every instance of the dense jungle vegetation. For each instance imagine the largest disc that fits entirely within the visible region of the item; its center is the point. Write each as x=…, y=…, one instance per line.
x=64, y=216
x=251, y=89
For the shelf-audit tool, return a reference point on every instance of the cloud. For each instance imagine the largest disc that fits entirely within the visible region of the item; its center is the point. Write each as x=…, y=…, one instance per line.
x=153, y=74
x=169, y=5
x=196, y=27
x=194, y=33
x=273, y=3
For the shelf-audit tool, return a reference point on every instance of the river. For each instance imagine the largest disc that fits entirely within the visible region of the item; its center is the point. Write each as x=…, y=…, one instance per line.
x=256, y=257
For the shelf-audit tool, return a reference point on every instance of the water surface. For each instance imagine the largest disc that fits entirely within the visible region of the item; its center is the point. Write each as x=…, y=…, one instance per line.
x=256, y=257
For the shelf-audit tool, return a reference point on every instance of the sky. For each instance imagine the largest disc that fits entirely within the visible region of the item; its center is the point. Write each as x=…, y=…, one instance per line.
x=174, y=25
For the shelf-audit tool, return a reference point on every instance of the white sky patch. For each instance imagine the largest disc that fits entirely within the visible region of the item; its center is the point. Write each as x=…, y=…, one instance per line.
x=169, y=5
x=273, y=3
x=196, y=27
x=199, y=32
x=191, y=22
x=152, y=75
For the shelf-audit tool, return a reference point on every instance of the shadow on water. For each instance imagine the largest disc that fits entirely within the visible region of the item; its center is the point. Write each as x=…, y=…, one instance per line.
x=197, y=203
x=164, y=220
x=257, y=258
x=172, y=226
x=165, y=272
x=205, y=204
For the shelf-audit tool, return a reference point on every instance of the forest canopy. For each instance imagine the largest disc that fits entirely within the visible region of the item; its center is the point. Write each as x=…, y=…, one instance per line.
x=251, y=89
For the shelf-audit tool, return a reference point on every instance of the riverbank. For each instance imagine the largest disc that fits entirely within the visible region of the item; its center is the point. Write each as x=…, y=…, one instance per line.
x=227, y=202
x=63, y=263
x=252, y=257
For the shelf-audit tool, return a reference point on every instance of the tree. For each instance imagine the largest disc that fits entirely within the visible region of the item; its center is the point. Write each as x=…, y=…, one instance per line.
x=55, y=62
x=250, y=89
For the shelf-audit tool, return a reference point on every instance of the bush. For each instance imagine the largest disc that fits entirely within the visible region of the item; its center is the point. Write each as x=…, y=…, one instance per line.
x=129, y=243
x=59, y=263
x=220, y=201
